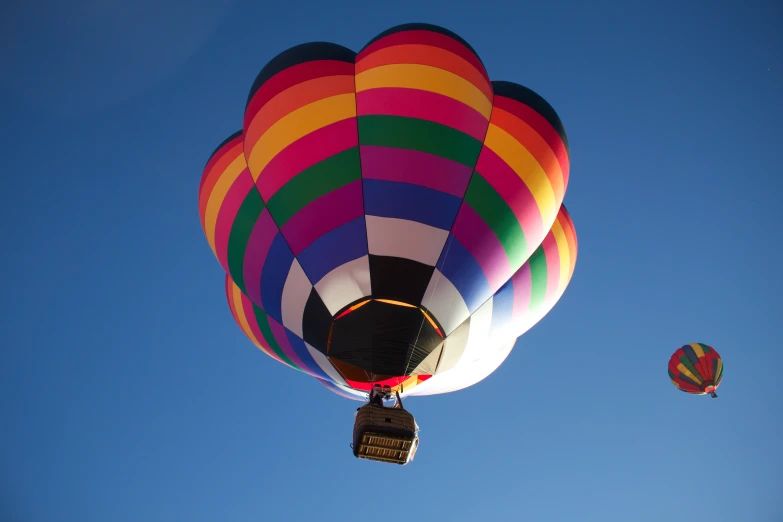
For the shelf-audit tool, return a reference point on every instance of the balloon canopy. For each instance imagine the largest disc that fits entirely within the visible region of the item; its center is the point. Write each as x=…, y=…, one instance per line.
x=696, y=368
x=390, y=216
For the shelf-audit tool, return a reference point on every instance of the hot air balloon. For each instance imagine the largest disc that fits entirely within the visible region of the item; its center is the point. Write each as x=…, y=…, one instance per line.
x=391, y=217
x=696, y=368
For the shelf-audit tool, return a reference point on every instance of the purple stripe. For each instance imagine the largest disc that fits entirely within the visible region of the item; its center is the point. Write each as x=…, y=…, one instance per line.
x=278, y=330
x=463, y=271
x=418, y=168
x=482, y=243
x=257, y=249
x=324, y=214
x=335, y=248
x=306, y=357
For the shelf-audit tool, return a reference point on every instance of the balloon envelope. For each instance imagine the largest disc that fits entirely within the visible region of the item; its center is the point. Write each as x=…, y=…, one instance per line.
x=696, y=368
x=390, y=216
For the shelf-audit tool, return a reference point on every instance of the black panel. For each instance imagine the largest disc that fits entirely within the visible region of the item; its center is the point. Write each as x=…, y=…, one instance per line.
x=316, y=322
x=306, y=52
x=422, y=27
x=399, y=279
x=383, y=339
x=533, y=100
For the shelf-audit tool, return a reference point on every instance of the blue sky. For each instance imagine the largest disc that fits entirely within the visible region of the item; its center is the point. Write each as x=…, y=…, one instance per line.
x=127, y=393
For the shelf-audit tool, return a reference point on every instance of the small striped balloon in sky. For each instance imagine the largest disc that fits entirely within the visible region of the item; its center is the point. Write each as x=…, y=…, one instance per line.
x=696, y=368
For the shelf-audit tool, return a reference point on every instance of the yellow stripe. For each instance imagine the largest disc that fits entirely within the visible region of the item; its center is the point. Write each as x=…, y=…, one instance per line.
x=218, y=194
x=527, y=168
x=720, y=367
x=407, y=384
x=425, y=78
x=698, y=350
x=297, y=124
x=565, y=256
x=359, y=305
x=430, y=319
x=685, y=371
x=241, y=316
x=396, y=303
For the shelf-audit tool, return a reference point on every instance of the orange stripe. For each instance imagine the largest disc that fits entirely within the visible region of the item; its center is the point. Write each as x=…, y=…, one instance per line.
x=294, y=98
x=396, y=303
x=213, y=160
x=214, y=175
x=535, y=144
x=568, y=229
x=426, y=55
x=230, y=298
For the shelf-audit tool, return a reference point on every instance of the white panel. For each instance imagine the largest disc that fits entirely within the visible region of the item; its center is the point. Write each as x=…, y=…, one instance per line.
x=454, y=347
x=445, y=302
x=326, y=366
x=478, y=336
x=468, y=374
x=345, y=284
x=480, y=370
x=295, y=293
x=406, y=239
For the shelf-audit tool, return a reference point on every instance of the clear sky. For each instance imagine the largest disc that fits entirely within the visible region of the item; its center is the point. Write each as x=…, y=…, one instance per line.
x=127, y=393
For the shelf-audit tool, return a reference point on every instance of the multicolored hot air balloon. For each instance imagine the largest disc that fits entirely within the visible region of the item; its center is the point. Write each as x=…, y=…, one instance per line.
x=390, y=217
x=697, y=369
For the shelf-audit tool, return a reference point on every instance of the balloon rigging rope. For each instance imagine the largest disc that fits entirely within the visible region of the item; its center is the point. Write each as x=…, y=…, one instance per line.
x=432, y=294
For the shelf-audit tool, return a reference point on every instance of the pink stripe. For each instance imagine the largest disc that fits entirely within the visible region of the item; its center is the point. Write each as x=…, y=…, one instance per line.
x=417, y=168
x=523, y=286
x=515, y=193
x=552, y=267
x=324, y=215
x=261, y=238
x=228, y=212
x=250, y=316
x=482, y=243
x=425, y=105
x=278, y=330
x=306, y=152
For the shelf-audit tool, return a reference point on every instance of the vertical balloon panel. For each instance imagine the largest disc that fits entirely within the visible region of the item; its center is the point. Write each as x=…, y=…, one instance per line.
x=423, y=105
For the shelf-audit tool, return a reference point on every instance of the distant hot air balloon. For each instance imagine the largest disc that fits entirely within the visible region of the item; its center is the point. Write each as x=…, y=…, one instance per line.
x=696, y=368
x=390, y=217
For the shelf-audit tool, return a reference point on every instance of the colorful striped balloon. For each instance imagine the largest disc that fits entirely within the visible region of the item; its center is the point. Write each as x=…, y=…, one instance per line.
x=391, y=216
x=697, y=369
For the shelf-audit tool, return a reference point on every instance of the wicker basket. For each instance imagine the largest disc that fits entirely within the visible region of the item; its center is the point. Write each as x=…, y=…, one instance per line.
x=384, y=434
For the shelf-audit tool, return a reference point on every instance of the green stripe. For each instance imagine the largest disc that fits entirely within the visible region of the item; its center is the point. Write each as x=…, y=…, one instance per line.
x=496, y=213
x=263, y=323
x=421, y=135
x=313, y=182
x=241, y=229
x=538, y=278
x=686, y=361
x=705, y=348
